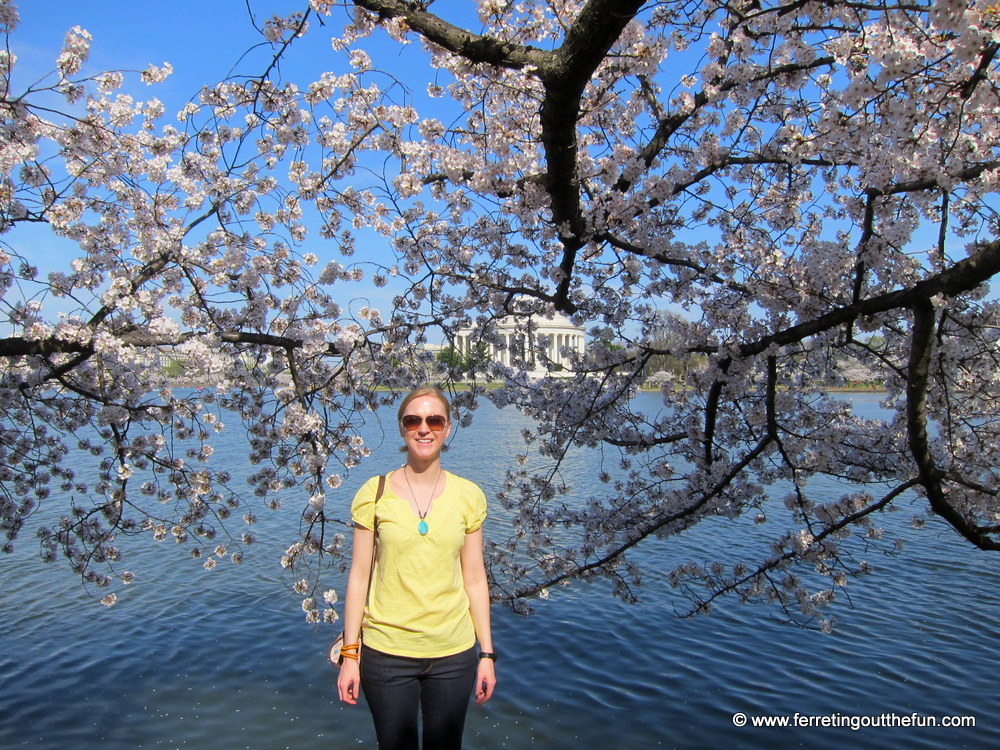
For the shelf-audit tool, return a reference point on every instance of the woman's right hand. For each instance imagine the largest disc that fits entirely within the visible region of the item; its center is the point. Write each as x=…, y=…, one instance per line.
x=349, y=681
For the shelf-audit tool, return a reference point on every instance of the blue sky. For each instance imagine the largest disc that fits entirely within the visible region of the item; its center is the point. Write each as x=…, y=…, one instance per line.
x=129, y=34
x=203, y=41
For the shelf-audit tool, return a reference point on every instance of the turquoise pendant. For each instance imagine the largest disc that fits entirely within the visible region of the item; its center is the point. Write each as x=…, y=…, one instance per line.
x=423, y=528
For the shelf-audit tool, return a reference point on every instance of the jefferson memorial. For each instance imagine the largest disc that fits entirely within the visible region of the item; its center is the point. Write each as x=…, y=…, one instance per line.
x=549, y=350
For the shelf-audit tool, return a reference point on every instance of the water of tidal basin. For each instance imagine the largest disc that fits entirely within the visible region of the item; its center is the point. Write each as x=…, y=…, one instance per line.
x=224, y=660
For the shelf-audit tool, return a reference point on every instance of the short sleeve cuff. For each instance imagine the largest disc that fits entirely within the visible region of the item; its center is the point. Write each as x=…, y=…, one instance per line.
x=363, y=505
x=477, y=512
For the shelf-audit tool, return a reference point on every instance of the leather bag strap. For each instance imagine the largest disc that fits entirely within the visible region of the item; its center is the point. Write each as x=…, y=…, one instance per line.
x=378, y=496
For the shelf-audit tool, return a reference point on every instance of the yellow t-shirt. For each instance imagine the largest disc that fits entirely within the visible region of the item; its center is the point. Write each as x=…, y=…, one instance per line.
x=417, y=605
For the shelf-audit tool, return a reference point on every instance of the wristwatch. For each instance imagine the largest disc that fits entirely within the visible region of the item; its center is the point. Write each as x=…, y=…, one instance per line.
x=492, y=655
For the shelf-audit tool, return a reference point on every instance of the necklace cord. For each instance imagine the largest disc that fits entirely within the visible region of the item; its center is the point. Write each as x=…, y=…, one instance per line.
x=416, y=501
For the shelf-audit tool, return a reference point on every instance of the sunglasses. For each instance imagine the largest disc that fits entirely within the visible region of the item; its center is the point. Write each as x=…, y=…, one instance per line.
x=435, y=422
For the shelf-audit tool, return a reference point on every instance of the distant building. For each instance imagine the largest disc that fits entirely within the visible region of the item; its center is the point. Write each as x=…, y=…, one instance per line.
x=549, y=350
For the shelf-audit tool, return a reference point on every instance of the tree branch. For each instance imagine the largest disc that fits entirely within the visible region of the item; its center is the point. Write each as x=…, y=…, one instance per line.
x=587, y=43
x=963, y=276
x=930, y=475
x=475, y=48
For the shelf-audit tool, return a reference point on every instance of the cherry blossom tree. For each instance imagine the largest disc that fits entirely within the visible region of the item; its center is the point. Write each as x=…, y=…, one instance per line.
x=788, y=184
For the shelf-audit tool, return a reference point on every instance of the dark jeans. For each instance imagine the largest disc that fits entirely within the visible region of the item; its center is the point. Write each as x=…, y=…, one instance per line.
x=398, y=689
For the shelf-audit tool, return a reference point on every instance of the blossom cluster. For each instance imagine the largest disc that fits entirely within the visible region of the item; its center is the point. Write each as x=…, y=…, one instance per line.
x=755, y=192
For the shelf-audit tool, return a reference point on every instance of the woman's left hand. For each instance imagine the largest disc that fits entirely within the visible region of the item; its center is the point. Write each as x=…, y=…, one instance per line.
x=486, y=680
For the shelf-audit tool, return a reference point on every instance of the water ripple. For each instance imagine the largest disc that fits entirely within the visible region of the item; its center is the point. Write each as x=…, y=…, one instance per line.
x=192, y=659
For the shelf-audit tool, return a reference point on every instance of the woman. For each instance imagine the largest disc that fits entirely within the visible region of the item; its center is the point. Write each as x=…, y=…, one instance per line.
x=429, y=600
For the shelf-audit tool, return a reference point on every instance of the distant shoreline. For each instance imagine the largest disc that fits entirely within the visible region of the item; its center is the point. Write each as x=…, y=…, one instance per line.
x=854, y=389
x=182, y=382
